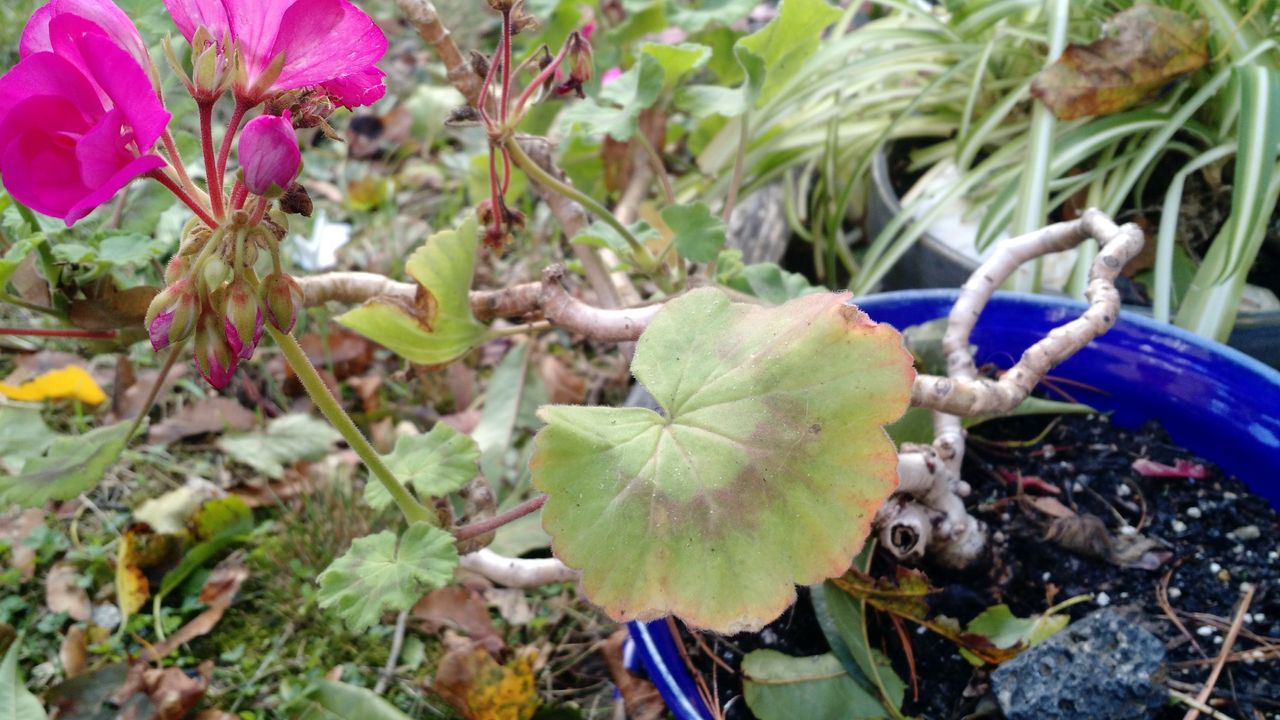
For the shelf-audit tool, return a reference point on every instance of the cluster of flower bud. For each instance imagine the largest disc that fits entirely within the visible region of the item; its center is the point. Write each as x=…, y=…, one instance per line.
x=214, y=297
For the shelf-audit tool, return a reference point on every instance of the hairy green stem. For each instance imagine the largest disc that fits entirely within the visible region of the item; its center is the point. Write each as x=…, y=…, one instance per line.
x=545, y=179
x=333, y=412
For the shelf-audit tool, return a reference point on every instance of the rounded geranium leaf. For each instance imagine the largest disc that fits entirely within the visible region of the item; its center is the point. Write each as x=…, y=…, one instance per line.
x=763, y=471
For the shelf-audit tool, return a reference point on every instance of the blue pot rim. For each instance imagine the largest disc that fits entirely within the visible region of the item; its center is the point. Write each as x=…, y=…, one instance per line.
x=653, y=642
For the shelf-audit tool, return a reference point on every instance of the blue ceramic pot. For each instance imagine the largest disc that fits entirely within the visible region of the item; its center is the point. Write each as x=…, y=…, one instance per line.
x=1215, y=401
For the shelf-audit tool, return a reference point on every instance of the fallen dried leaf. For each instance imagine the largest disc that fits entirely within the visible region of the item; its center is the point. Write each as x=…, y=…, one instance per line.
x=69, y=383
x=15, y=527
x=174, y=693
x=62, y=593
x=218, y=593
x=132, y=399
x=73, y=651
x=1051, y=506
x=210, y=415
x=641, y=698
x=469, y=679
x=114, y=310
x=461, y=608
x=565, y=385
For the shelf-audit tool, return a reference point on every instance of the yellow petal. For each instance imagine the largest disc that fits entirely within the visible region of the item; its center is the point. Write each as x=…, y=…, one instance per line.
x=71, y=382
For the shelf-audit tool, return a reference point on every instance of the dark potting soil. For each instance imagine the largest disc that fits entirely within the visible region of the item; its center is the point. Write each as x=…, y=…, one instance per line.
x=1212, y=535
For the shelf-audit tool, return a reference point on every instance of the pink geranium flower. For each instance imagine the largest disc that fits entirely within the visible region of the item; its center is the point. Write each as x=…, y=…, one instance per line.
x=325, y=43
x=79, y=114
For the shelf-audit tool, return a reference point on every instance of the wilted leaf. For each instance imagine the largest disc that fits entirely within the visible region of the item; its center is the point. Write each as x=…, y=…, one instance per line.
x=771, y=415
x=287, y=440
x=169, y=513
x=1181, y=468
x=73, y=651
x=72, y=465
x=475, y=685
x=699, y=234
x=332, y=700
x=16, y=702
x=442, y=327
x=63, y=593
x=16, y=525
x=69, y=383
x=216, y=525
x=461, y=608
x=210, y=415
x=639, y=695
x=435, y=464
x=1006, y=631
x=781, y=687
x=114, y=310
x=132, y=586
x=378, y=573
x=218, y=593
x=1146, y=48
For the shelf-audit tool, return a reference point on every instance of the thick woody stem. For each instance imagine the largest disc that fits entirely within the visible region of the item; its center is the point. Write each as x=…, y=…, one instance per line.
x=548, y=298
x=927, y=515
x=517, y=572
x=422, y=14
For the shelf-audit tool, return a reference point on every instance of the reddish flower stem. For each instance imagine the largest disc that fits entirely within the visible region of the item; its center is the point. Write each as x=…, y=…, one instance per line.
x=175, y=161
x=496, y=196
x=173, y=187
x=233, y=127
x=484, y=90
x=506, y=65
x=62, y=333
x=482, y=527
x=506, y=172
x=212, y=178
x=239, y=193
x=259, y=211
x=542, y=77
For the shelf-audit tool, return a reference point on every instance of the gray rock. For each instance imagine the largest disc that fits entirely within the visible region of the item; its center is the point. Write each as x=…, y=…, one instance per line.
x=1104, y=666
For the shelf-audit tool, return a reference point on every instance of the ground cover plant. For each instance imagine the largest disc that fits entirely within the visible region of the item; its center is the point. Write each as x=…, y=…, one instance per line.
x=382, y=460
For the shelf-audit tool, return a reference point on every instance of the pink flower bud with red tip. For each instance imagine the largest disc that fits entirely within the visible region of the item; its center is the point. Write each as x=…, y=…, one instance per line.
x=243, y=323
x=280, y=298
x=269, y=155
x=215, y=359
x=172, y=315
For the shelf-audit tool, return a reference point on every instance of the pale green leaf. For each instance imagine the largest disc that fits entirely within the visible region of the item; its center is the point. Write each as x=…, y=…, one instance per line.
x=763, y=471
x=1005, y=630
x=378, y=573
x=678, y=60
x=767, y=281
x=694, y=16
x=16, y=701
x=494, y=432
x=25, y=435
x=287, y=440
x=73, y=464
x=331, y=700
x=602, y=235
x=699, y=234
x=442, y=327
x=781, y=687
x=435, y=464
x=703, y=101
x=619, y=104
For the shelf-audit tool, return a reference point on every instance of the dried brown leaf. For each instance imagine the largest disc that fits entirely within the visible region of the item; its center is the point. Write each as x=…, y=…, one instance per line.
x=641, y=698
x=62, y=593
x=470, y=680
x=210, y=415
x=1146, y=48
x=460, y=608
x=15, y=527
x=218, y=593
x=73, y=651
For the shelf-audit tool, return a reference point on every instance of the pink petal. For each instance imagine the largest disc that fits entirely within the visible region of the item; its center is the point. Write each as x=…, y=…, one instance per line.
x=268, y=153
x=129, y=88
x=256, y=23
x=159, y=330
x=40, y=171
x=326, y=40
x=189, y=15
x=35, y=36
x=357, y=90
x=101, y=151
x=48, y=74
x=102, y=193
x=109, y=19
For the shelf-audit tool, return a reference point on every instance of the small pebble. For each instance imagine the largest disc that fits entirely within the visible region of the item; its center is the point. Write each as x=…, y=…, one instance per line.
x=1178, y=526
x=1103, y=599
x=1204, y=631
x=1045, y=577
x=1214, y=567
x=1246, y=532
x=1194, y=512
x=1228, y=495
x=1259, y=617
x=1077, y=487
x=1175, y=592
x=1123, y=490
x=1217, y=639
x=1128, y=530
x=1224, y=575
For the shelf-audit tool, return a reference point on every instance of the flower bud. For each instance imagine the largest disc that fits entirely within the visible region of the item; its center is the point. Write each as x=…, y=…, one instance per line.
x=171, y=315
x=281, y=298
x=243, y=324
x=216, y=271
x=215, y=360
x=269, y=155
x=176, y=269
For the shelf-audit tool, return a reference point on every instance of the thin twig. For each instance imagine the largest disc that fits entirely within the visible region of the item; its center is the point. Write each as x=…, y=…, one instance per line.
x=481, y=527
x=397, y=641
x=1197, y=706
x=1227, y=644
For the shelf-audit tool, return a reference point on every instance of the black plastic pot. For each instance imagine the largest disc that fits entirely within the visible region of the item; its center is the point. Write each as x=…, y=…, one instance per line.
x=930, y=263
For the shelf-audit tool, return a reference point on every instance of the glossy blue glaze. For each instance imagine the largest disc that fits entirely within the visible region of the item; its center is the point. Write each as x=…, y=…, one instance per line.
x=1214, y=401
